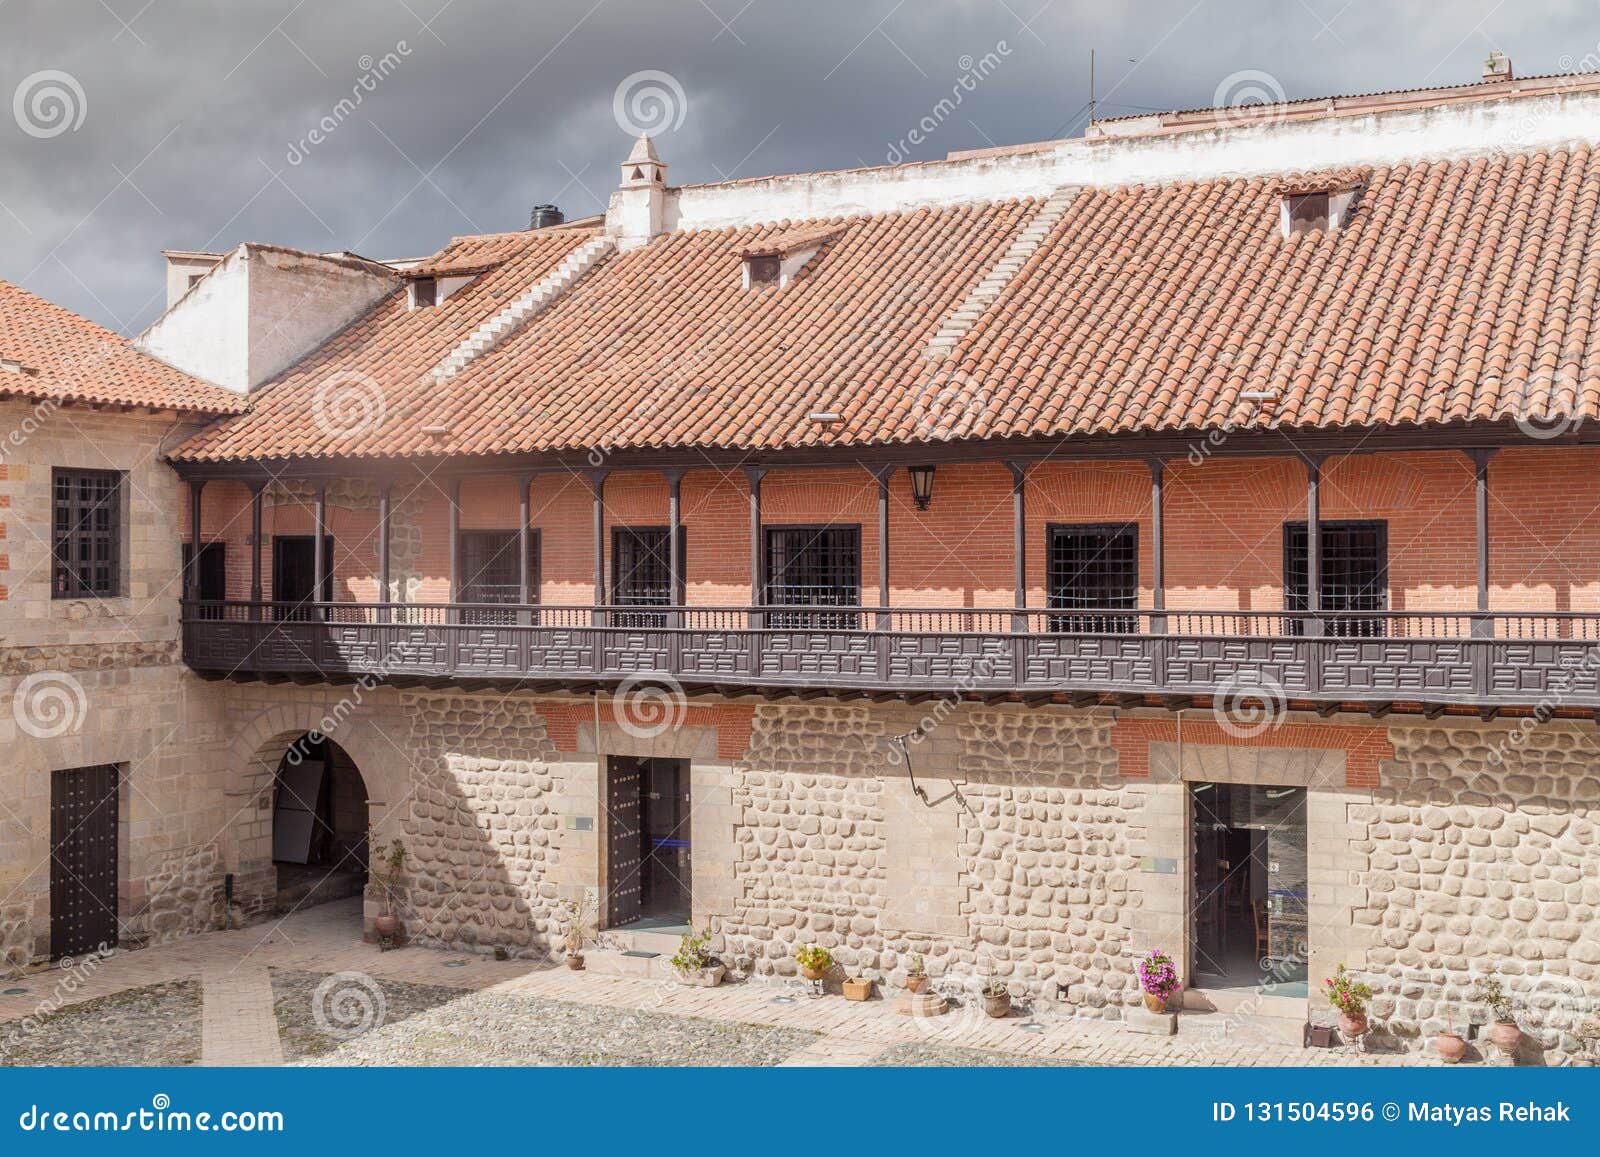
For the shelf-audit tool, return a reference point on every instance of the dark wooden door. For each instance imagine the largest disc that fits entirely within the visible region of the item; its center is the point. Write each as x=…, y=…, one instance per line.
x=624, y=840
x=294, y=571
x=212, y=577
x=83, y=860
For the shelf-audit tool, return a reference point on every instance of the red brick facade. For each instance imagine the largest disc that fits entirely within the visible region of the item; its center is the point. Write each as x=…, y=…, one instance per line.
x=1364, y=747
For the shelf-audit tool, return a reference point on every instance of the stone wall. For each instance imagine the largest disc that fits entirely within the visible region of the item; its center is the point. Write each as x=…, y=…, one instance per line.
x=1482, y=853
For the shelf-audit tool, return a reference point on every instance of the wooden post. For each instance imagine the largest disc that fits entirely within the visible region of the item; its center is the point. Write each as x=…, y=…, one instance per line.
x=883, y=474
x=524, y=548
x=453, y=534
x=597, y=485
x=675, y=545
x=385, y=514
x=256, y=490
x=1482, y=625
x=319, y=554
x=754, y=475
x=191, y=576
x=1019, y=544
x=1158, y=546
x=1313, y=546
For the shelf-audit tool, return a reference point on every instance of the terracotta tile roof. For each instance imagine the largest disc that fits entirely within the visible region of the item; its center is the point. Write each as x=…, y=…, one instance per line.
x=59, y=355
x=1457, y=291
x=788, y=241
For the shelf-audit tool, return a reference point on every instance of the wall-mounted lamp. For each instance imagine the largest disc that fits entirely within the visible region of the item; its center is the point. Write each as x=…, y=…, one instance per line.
x=921, y=485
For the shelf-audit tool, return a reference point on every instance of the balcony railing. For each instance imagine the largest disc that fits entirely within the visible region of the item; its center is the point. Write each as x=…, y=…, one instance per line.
x=1485, y=659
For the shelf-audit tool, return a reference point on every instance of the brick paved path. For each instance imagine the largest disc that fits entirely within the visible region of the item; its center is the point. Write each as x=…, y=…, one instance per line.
x=239, y=1028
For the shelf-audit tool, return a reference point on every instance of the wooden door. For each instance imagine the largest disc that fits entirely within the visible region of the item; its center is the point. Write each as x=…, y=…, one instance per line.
x=83, y=860
x=624, y=839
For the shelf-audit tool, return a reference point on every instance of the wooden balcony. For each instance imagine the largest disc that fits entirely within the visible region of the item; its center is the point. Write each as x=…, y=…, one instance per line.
x=1480, y=659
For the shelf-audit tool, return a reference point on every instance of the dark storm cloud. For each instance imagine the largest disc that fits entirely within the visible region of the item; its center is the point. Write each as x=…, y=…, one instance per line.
x=385, y=126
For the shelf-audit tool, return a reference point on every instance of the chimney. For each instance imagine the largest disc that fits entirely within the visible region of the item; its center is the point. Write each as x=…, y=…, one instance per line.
x=546, y=217
x=637, y=210
x=1496, y=67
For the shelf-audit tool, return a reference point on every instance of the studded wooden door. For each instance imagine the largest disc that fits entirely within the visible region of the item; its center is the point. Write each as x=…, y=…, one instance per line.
x=624, y=840
x=83, y=860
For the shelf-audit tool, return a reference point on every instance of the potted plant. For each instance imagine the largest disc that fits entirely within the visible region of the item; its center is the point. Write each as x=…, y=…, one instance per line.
x=1349, y=996
x=857, y=988
x=1449, y=1044
x=916, y=973
x=387, y=863
x=1158, y=978
x=573, y=940
x=1505, y=1033
x=996, y=998
x=814, y=961
x=695, y=963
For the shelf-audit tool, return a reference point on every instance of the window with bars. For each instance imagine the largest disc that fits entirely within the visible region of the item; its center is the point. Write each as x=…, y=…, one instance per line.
x=1094, y=567
x=489, y=574
x=641, y=572
x=1355, y=575
x=86, y=534
x=813, y=566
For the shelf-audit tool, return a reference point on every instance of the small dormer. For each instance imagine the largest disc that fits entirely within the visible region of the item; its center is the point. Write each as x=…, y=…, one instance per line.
x=431, y=285
x=1316, y=206
x=774, y=260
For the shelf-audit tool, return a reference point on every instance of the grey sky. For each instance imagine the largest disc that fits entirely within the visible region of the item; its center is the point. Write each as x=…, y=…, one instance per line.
x=190, y=111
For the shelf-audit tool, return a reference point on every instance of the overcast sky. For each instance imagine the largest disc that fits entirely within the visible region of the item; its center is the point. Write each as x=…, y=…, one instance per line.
x=133, y=126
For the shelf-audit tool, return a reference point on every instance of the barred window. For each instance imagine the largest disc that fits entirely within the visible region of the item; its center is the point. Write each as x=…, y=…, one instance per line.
x=814, y=566
x=1355, y=575
x=1094, y=567
x=86, y=534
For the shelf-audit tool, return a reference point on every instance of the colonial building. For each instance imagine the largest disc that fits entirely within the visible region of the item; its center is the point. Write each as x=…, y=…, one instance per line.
x=1177, y=537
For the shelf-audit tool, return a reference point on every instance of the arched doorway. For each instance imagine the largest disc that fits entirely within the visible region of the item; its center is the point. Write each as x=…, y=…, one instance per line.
x=319, y=824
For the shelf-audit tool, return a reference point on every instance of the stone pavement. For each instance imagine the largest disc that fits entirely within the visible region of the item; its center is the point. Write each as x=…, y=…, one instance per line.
x=239, y=1026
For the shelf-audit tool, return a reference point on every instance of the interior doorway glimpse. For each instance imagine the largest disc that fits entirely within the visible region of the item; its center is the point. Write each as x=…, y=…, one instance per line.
x=647, y=843
x=1249, y=887
x=319, y=824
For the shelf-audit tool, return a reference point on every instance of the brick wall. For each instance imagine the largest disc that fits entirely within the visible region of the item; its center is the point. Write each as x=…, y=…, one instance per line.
x=1224, y=528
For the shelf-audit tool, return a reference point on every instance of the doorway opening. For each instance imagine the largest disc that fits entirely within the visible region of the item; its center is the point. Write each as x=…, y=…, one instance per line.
x=647, y=843
x=1250, y=923
x=294, y=571
x=319, y=824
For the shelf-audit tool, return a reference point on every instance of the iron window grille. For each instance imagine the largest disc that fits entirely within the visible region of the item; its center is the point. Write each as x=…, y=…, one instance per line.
x=1355, y=577
x=813, y=566
x=1094, y=567
x=86, y=534
x=489, y=574
x=641, y=573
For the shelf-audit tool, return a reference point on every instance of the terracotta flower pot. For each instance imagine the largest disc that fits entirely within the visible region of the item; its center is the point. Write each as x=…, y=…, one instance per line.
x=388, y=927
x=1155, y=1001
x=916, y=983
x=814, y=973
x=575, y=961
x=1506, y=1036
x=998, y=1007
x=1352, y=1025
x=1450, y=1047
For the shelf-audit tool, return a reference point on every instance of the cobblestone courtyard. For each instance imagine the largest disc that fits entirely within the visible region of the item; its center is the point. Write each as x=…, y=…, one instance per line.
x=306, y=990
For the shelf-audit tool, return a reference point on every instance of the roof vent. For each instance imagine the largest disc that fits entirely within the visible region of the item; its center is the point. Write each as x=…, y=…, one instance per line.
x=546, y=217
x=1496, y=67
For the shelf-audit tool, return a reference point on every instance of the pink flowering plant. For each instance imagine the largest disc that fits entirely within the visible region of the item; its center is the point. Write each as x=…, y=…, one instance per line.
x=1158, y=975
x=1346, y=993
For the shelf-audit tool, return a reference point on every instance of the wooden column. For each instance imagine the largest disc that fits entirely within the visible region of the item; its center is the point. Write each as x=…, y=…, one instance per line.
x=1019, y=544
x=256, y=491
x=385, y=515
x=675, y=544
x=453, y=534
x=191, y=575
x=319, y=553
x=754, y=475
x=1482, y=625
x=1158, y=545
x=1313, y=546
x=524, y=547
x=883, y=473
x=597, y=487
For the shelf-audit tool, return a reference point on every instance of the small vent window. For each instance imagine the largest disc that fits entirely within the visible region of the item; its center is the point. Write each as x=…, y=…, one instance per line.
x=763, y=270
x=424, y=292
x=1307, y=212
